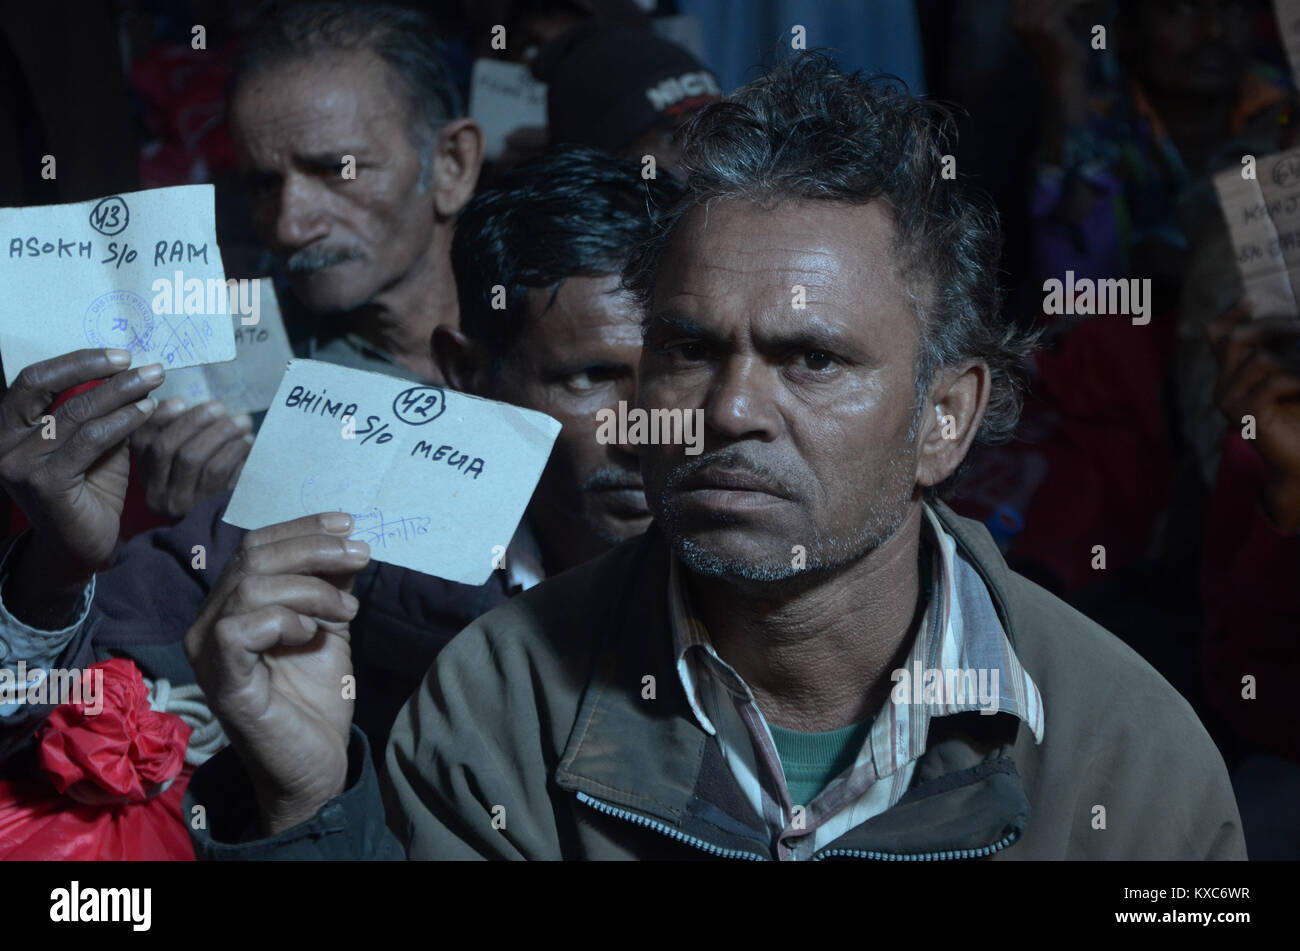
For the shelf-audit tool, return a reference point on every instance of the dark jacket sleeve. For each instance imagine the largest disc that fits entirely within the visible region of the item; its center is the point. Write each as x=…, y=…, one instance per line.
x=142, y=607
x=151, y=596
x=222, y=813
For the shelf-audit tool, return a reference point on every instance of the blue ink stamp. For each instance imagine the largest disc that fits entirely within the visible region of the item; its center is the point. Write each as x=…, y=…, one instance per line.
x=119, y=319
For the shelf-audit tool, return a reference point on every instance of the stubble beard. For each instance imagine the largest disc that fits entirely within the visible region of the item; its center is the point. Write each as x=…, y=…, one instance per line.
x=824, y=553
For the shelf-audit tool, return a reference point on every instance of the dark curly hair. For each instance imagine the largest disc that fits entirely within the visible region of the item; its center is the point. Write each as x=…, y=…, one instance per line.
x=807, y=131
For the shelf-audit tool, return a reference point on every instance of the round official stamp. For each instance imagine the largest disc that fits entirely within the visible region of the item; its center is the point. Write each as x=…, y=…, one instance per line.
x=119, y=319
x=1286, y=172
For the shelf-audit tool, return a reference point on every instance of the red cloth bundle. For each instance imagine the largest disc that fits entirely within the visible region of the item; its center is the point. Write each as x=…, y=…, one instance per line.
x=105, y=794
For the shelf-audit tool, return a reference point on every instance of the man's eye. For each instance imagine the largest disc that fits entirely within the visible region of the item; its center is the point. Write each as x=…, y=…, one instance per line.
x=260, y=184
x=688, y=350
x=587, y=379
x=817, y=360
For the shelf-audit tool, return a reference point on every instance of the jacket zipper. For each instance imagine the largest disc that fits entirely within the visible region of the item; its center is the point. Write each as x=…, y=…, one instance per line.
x=676, y=834
x=958, y=854
x=665, y=829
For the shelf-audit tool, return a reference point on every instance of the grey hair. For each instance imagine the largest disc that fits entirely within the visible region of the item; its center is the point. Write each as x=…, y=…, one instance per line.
x=403, y=39
x=806, y=131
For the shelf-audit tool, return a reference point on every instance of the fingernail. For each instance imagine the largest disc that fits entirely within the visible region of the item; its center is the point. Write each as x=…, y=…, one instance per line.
x=307, y=623
x=354, y=547
x=215, y=408
x=173, y=405
x=146, y=405
x=248, y=438
x=336, y=522
x=119, y=358
x=150, y=374
x=350, y=604
x=243, y=421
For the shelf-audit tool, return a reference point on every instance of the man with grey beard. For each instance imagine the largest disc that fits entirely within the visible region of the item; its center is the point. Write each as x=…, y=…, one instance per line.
x=783, y=666
x=347, y=129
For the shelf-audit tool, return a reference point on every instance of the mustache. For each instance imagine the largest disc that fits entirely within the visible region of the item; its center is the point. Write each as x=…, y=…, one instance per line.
x=732, y=459
x=314, y=258
x=612, y=477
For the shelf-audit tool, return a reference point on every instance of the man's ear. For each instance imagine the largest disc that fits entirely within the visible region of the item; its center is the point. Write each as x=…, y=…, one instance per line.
x=458, y=158
x=949, y=420
x=464, y=363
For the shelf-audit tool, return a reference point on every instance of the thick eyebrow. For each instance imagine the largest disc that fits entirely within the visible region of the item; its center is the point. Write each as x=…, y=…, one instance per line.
x=329, y=158
x=813, y=335
x=671, y=321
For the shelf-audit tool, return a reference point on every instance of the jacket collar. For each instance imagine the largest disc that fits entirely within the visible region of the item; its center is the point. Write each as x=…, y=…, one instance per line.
x=966, y=797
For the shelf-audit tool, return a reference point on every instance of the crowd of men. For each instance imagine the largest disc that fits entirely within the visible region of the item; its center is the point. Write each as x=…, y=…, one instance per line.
x=684, y=656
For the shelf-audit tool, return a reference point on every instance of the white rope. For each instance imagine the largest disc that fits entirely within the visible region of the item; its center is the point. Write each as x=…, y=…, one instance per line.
x=188, y=703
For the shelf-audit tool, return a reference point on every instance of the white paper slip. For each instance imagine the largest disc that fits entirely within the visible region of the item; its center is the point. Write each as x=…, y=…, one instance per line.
x=504, y=97
x=140, y=271
x=436, y=480
x=248, y=383
x=1263, y=216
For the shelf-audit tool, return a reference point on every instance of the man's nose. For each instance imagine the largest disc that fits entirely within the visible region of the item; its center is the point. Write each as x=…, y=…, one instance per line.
x=300, y=219
x=624, y=454
x=741, y=404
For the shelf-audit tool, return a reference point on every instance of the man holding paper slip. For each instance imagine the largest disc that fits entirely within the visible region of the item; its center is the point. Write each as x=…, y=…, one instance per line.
x=67, y=469
x=566, y=343
x=745, y=680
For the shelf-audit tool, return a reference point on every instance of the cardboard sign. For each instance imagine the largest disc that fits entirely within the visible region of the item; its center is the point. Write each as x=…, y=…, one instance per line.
x=248, y=383
x=139, y=271
x=436, y=480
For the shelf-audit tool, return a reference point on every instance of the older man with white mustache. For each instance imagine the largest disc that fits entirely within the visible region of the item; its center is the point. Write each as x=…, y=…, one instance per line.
x=356, y=165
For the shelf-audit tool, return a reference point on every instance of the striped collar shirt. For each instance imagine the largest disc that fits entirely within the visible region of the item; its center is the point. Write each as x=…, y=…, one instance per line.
x=959, y=650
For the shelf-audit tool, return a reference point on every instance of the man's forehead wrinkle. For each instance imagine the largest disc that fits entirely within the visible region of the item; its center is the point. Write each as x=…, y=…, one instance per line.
x=819, y=269
x=286, y=142
x=334, y=103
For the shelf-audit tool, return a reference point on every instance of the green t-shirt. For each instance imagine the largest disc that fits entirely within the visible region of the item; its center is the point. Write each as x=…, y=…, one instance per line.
x=812, y=760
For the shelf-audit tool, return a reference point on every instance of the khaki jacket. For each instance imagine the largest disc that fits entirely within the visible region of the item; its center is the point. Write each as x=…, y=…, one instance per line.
x=530, y=739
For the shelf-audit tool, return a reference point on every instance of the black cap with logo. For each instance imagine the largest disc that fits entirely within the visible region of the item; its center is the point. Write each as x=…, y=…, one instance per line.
x=608, y=84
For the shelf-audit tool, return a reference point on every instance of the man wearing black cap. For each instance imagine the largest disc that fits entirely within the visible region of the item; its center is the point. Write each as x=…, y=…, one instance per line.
x=647, y=88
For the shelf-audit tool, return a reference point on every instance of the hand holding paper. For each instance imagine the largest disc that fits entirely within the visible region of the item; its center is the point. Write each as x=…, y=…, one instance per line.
x=1263, y=215
x=435, y=480
x=66, y=469
x=270, y=650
